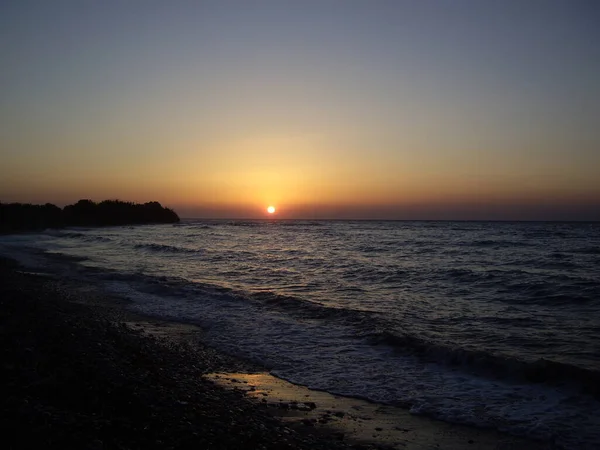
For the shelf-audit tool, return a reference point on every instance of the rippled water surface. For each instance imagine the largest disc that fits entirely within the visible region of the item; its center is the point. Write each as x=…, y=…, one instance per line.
x=491, y=324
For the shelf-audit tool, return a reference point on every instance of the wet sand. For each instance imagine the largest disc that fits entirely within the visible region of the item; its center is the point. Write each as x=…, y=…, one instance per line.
x=358, y=420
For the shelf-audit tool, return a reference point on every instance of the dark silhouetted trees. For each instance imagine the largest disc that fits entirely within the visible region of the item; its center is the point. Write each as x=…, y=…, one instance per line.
x=23, y=217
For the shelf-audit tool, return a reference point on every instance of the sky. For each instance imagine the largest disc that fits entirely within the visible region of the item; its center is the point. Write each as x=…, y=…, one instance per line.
x=401, y=109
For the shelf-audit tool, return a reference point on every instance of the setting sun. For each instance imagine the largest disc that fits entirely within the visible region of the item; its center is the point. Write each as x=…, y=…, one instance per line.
x=271, y=209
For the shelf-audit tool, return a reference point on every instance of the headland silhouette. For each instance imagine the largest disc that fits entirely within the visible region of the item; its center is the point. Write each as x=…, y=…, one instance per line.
x=15, y=217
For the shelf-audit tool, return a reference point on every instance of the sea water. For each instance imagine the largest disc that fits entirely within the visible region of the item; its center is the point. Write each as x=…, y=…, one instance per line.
x=492, y=324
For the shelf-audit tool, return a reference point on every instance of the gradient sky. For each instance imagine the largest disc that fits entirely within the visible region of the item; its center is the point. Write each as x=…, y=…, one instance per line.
x=447, y=109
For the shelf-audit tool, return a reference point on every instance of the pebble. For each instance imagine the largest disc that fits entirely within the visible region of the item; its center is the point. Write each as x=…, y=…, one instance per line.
x=136, y=381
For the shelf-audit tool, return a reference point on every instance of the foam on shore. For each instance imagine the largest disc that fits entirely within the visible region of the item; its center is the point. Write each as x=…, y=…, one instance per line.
x=350, y=419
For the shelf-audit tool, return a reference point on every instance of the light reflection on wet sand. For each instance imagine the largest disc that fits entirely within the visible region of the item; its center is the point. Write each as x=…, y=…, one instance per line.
x=357, y=420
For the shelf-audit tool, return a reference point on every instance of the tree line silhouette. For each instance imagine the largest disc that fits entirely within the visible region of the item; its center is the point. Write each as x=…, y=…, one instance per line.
x=28, y=217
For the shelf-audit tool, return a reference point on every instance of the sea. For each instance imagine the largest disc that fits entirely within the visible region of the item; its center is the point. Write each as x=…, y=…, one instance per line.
x=491, y=324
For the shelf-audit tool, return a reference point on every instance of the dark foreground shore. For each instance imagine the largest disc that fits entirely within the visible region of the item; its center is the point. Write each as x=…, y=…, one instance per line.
x=76, y=377
x=82, y=371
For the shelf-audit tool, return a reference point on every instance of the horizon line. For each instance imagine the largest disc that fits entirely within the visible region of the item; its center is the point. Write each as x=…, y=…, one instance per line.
x=274, y=219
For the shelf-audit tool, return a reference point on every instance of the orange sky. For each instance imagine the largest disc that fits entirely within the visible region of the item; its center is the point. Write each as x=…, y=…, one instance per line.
x=344, y=111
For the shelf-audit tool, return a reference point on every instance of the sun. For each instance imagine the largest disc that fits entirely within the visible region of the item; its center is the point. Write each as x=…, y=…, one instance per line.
x=271, y=209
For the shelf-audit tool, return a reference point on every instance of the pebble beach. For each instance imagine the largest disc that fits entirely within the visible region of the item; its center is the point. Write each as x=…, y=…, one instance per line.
x=77, y=377
x=84, y=371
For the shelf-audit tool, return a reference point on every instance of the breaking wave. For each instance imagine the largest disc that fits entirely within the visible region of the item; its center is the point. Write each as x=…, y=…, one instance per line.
x=492, y=365
x=163, y=248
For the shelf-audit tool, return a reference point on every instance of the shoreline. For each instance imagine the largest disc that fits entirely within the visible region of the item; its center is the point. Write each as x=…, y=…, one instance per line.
x=77, y=377
x=354, y=419
x=177, y=349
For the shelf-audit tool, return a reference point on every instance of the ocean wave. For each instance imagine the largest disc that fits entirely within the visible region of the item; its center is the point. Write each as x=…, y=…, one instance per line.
x=243, y=223
x=568, y=299
x=305, y=308
x=553, y=291
x=83, y=236
x=372, y=248
x=592, y=250
x=65, y=234
x=296, y=307
x=363, y=322
x=499, y=243
x=559, y=264
x=546, y=233
x=492, y=365
x=64, y=257
x=473, y=278
x=301, y=224
x=279, y=223
x=377, y=274
x=97, y=239
x=163, y=248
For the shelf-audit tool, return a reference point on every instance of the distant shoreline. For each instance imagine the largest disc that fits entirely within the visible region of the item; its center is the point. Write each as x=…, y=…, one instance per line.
x=19, y=217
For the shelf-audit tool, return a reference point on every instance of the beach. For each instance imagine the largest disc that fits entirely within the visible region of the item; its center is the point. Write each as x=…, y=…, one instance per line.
x=77, y=377
x=83, y=371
